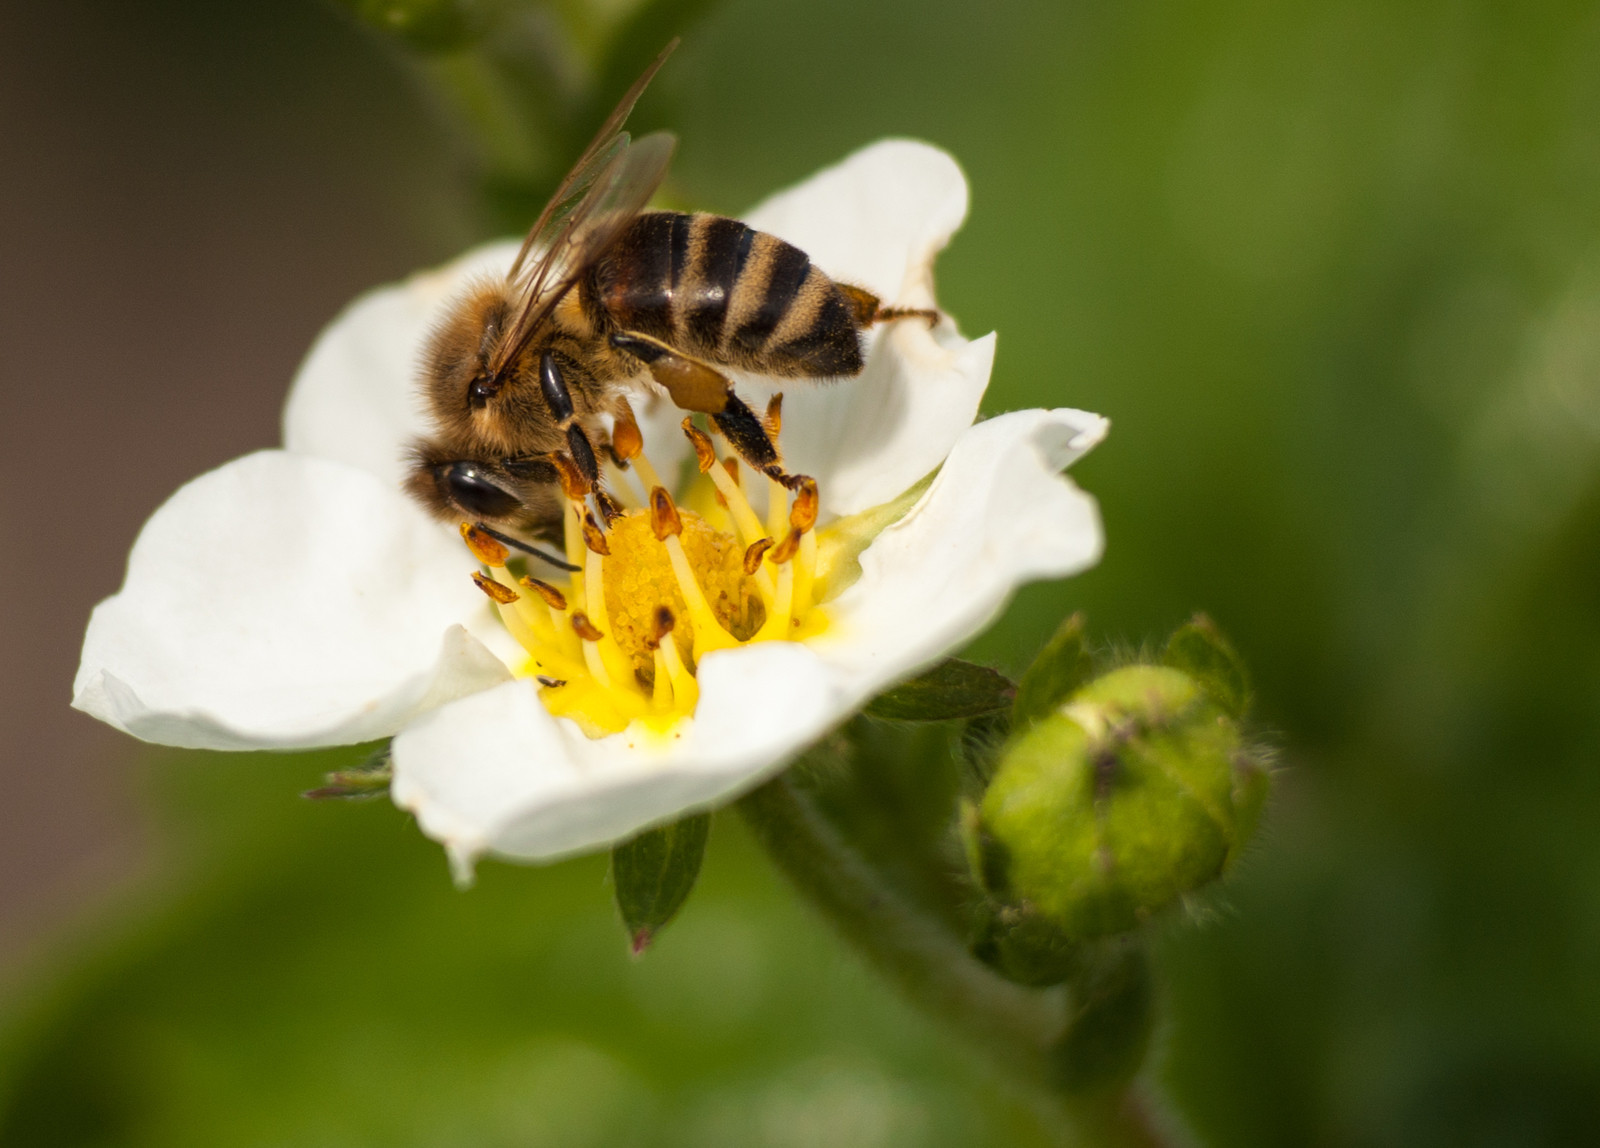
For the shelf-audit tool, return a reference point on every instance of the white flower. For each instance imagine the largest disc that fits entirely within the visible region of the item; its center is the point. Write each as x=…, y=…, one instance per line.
x=297, y=598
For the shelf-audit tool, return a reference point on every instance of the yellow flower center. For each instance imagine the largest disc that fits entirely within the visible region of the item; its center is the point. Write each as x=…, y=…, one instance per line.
x=617, y=645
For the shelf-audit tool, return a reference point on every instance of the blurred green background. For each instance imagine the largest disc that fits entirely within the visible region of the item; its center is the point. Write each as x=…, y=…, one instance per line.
x=1333, y=271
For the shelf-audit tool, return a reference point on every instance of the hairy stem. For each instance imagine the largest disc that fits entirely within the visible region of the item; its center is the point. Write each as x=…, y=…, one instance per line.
x=1018, y=1028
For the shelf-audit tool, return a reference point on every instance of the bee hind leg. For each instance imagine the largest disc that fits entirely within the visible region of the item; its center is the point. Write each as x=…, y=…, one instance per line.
x=867, y=309
x=697, y=386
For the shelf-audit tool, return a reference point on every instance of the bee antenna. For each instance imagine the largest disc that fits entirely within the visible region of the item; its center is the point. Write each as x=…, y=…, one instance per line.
x=518, y=544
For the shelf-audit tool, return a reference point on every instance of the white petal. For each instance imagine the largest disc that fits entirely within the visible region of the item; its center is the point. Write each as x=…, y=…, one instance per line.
x=356, y=398
x=878, y=220
x=285, y=602
x=999, y=514
x=496, y=772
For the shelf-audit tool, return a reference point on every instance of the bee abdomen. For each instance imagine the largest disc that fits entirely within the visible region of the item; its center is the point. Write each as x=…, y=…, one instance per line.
x=730, y=294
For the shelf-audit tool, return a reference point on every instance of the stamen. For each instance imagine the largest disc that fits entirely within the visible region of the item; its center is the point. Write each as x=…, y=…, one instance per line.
x=573, y=484
x=661, y=632
x=705, y=454
x=777, y=507
x=664, y=520
x=708, y=632
x=548, y=682
x=585, y=628
x=754, y=553
x=626, y=438
x=484, y=546
x=785, y=550
x=685, y=690
x=593, y=537
x=805, y=573
x=803, y=514
x=554, y=598
x=665, y=622
x=501, y=595
x=776, y=627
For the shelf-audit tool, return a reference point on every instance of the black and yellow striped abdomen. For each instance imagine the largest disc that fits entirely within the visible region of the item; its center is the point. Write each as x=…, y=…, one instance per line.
x=718, y=290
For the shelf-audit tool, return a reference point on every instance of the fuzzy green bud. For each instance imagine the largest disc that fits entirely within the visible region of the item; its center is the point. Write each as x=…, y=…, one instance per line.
x=1136, y=790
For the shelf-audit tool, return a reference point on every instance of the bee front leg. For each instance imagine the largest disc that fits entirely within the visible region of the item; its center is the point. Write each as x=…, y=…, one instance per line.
x=697, y=386
x=559, y=400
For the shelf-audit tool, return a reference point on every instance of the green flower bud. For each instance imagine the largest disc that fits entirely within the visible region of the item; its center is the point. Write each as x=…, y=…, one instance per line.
x=1135, y=791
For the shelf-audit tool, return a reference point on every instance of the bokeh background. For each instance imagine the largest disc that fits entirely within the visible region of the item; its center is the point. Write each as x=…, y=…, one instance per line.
x=1333, y=271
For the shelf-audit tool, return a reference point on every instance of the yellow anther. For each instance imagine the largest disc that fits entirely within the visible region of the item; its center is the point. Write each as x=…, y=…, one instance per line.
x=786, y=549
x=754, y=553
x=502, y=595
x=803, y=514
x=554, y=598
x=626, y=438
x=593, y=537
x=664, y=625
x=573, y=484
x=705, y=454
x=664, y=518
x=484, y=546
x=584, y=628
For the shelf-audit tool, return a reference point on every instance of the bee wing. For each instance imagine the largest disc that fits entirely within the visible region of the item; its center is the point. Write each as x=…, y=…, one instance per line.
x=617, y=195
x=603, y=193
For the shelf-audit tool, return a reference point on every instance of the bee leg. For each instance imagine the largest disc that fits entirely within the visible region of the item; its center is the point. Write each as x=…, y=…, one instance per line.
x=867, y=309
x=693, y=385
x=559, y=400
x=697, y=386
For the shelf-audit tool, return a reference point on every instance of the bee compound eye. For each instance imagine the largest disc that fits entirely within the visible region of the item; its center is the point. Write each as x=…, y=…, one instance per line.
x=469, y=488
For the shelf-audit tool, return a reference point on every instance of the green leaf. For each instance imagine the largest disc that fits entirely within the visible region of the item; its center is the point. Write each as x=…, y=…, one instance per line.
x=654, y=875
x=1200, y=650
x=369, y=779
x=1061, y=668
x=952, y=689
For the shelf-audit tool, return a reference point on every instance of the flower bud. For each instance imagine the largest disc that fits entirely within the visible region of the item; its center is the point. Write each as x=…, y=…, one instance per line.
x=1134, y=791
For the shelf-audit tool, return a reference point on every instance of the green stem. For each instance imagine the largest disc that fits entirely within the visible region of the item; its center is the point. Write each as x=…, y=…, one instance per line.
x=1020, y=1028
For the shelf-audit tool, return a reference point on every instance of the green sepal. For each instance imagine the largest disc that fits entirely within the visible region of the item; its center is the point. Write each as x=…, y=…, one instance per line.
x=654, y=875
x=1199, y=650
x=1061, y=668
x=369, y=779
x=952, y=689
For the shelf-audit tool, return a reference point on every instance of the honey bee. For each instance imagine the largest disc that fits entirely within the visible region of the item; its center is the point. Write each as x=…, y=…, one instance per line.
x=603, y=297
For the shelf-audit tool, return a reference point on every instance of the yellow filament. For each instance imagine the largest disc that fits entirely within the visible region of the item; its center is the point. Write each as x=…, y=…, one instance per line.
x=777, y=510
x=805, y=573
x=645, y=475
x=661, y=695
x=776, y=627
x=708, y=632
x=685, y=690
x=744, y=516
x=618, y=670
